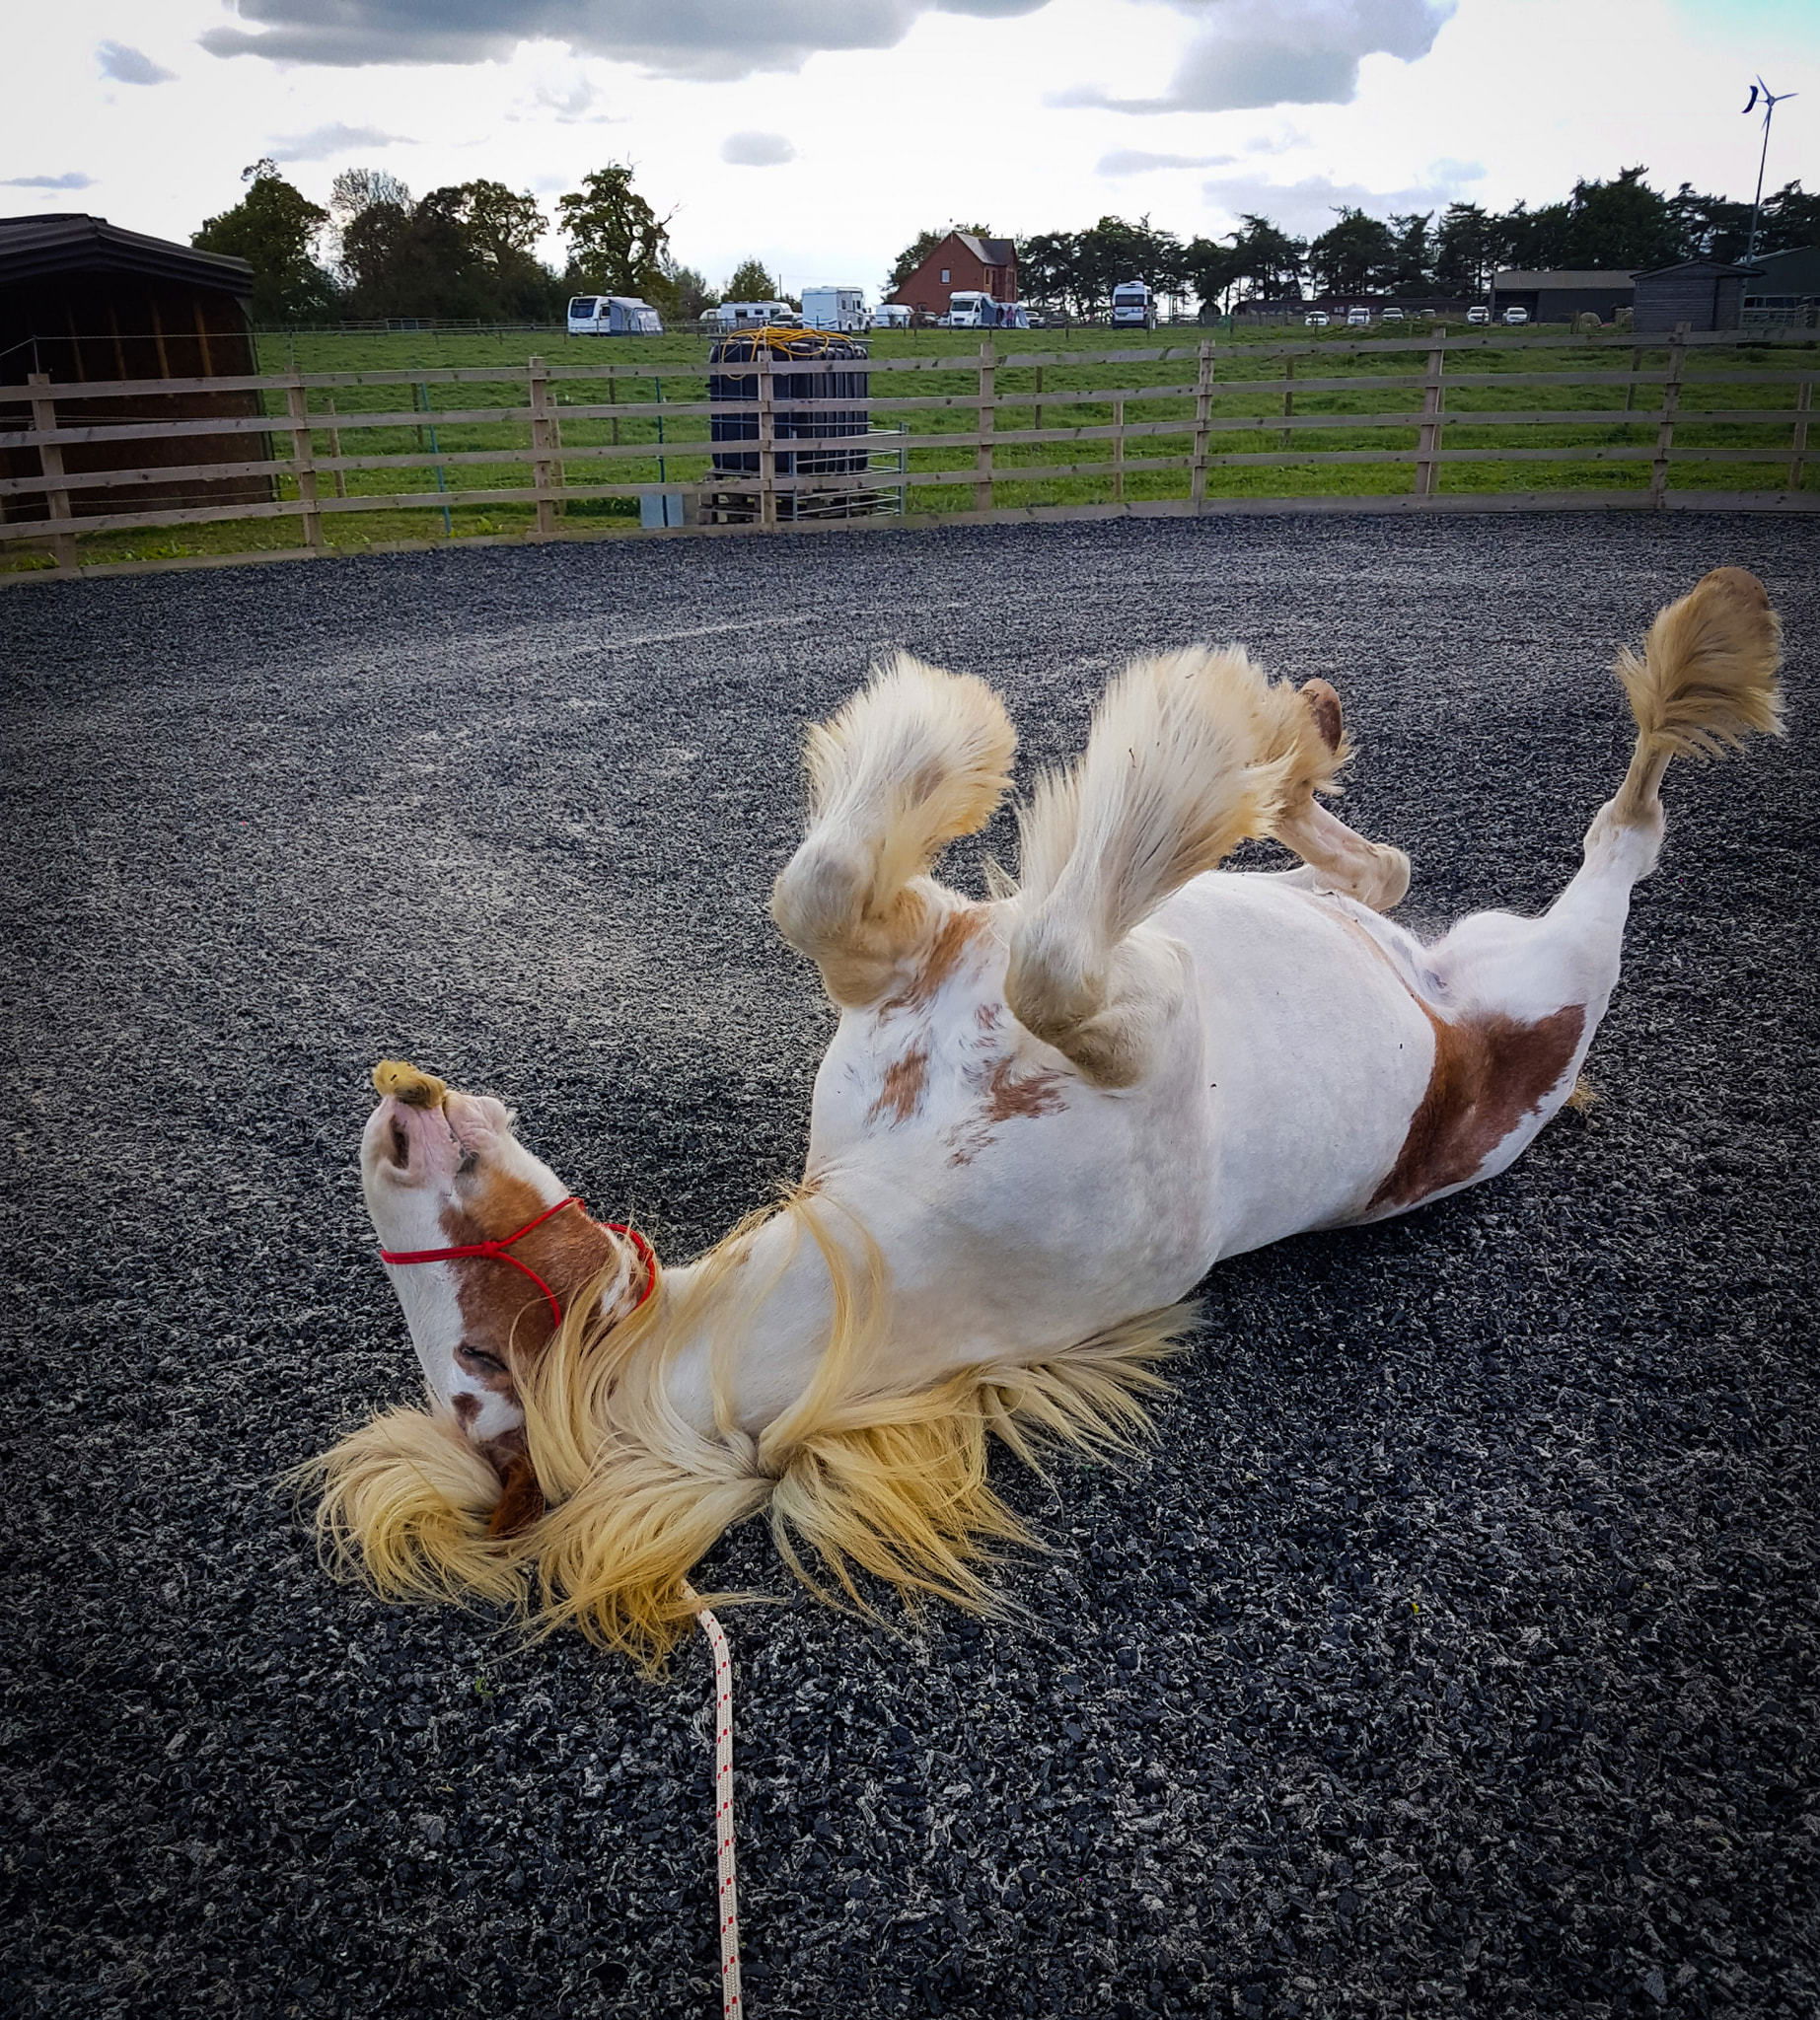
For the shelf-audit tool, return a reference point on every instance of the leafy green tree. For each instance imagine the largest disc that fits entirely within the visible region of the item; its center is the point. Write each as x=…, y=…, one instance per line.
x=1413, y=271
x=1048, y=267
x=1618, y=224
x=274, y=229
x=1708, y=226
x=683, y=294
x=1468, y=244
x=1356, y=256
x=1790, y=218
x=1114, y=251
x=617, y=241
x=920, y=248
x=749, y=282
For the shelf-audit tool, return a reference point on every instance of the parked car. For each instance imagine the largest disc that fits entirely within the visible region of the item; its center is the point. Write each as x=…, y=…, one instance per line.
x=1514, y=316
x=1315, y=319
x=1358, y=319
x=1390, y=315
x=1480, y=313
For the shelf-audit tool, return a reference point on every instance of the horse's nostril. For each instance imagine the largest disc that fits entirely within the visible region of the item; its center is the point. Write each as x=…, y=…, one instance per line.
x=401, y=1145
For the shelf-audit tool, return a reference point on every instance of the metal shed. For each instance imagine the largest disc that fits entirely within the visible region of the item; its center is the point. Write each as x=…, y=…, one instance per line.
x=83, y=301
x=1704, y=294
x=1559, y=295
x=1786, y=289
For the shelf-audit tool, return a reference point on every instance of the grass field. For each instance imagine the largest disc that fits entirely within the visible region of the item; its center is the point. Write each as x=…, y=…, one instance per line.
x=1030, y=474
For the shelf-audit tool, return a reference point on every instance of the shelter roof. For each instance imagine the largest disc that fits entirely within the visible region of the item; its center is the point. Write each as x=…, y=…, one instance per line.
x=1567, y=277
x=72, y=242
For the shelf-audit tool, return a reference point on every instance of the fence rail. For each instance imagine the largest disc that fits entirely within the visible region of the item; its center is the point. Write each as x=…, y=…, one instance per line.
x=1170, y=437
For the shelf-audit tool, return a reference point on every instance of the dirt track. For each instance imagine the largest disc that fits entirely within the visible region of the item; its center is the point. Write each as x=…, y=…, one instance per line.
x=1452, y=1651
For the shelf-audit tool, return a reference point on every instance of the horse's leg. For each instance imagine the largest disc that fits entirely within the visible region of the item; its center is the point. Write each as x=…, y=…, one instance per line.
x=1516, y=1001
x=1336, y=858
x=1190, y=755
x=918, y=758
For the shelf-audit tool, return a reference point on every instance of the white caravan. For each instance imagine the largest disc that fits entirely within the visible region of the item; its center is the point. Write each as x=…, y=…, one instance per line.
x=842, y=309
x=612, y=316
x=752, y=315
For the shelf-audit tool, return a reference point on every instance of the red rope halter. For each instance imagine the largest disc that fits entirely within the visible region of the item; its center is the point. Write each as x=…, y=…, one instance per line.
x=496, y=1252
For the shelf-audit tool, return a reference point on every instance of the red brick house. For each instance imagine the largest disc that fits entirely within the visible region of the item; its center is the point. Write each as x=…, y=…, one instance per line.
x=961, y=261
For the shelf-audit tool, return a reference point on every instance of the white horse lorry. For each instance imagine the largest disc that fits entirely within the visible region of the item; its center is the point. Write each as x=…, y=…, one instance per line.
x=612, y=316
x=833, y=308
x=1134, y=305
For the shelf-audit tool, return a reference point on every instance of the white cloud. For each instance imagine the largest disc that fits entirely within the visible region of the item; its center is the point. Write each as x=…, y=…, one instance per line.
x=710, y=41
x=69, y=181
x=130, y=66
x=1133, y=160
x=1307, y=207
x=757, y=150
x=1279, y=52
x=323, y=143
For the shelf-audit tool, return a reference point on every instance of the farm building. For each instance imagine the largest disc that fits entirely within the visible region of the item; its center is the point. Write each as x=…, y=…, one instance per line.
x=82, y=301
x=959, y=262
x=1785, y=288
x=1704, y=294
x=1562, y=294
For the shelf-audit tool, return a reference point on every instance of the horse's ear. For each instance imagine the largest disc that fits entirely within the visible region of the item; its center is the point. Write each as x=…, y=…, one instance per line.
x=521, y=1500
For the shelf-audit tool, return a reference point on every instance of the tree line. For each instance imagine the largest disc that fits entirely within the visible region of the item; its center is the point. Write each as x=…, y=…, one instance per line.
x=1621, y=224
x=464, y=253
x=467, y=251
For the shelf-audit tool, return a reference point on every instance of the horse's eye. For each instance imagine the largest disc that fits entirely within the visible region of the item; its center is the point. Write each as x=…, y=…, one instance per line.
x=478, y=1363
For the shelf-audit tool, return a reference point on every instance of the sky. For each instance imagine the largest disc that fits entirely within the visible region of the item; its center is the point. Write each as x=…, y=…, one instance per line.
x=820, y=136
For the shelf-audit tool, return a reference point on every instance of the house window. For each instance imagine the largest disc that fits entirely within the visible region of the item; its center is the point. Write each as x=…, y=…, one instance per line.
x=945, y=274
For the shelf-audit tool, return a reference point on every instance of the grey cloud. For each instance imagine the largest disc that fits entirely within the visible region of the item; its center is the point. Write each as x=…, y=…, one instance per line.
x=1133, y=160
x=714, y=40
x=757, y=150
x=69, y=181
x=130, y=66
x=1282, y=52
x=322, y=142
x=1307, y=207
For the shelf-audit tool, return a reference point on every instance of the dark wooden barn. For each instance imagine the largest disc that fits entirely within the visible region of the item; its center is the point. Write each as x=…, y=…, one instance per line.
x=1704, y=294
x=83, y=301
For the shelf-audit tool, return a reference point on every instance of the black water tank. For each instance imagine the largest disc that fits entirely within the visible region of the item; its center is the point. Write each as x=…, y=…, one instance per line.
x=789, y=422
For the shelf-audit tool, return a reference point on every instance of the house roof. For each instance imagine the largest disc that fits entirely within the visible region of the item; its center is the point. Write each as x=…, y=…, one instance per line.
x=71, y=241
x=989, y=252
x=1590, y=278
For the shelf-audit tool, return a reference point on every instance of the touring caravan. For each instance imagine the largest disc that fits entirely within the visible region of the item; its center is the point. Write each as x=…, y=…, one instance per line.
x=612, y=316
x=753, y=314
x=833, y=308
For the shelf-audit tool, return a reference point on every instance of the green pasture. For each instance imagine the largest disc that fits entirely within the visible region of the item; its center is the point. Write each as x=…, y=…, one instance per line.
x=672, y=448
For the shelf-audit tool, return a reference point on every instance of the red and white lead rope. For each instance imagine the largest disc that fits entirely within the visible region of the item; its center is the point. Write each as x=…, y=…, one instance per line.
x=728, y=1893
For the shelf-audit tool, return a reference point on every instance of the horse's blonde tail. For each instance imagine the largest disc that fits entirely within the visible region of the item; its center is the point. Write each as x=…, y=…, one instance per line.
x=405, y=1505
x=917, y=760
x=1191, y=754
x=1706, y=679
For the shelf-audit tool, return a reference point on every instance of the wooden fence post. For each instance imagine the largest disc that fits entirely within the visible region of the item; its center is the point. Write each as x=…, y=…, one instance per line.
x=1428, y=438
x=50, y=464
x=1038, y=421
x=1288, y=400
x=334, y=450
x=1203, y=413
x=1119, y=449
x=767, y=444
x=303, y=457
x=1797, y=447
x=538, y=376
x=988, y=422
x=1671, y=402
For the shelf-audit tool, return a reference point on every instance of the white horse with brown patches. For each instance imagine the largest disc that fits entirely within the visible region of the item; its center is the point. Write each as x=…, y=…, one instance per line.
x=1042, y=1120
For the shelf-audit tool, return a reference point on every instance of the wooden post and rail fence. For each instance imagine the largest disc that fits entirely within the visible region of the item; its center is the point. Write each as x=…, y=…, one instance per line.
x=1020, y=405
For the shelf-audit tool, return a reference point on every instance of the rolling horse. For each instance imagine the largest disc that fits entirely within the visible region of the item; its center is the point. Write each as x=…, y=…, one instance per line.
x=1044, y=1117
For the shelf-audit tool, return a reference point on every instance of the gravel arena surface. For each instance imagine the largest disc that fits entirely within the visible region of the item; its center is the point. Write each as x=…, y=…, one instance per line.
x=1450, y=1651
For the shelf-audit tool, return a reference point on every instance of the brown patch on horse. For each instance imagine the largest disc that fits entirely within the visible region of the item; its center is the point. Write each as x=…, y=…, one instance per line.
x=900, y=1096
x=1008, y=1096
x=940, y=959
x=1323, y=701
x=1489, y=1073
x=466, y=1408
x=501, y=1309
x=521, y=1500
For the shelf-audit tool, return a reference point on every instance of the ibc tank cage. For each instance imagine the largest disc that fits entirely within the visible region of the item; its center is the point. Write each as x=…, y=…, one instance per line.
x=847, y=499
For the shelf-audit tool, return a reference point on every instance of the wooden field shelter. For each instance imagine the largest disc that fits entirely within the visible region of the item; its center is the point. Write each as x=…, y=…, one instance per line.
x=83, y=302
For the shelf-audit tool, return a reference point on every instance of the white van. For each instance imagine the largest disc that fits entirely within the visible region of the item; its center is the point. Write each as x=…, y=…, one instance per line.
x=1358, y=319
x=835, y=308
x=1134, y=305
x=612, y=316
x=891, y=315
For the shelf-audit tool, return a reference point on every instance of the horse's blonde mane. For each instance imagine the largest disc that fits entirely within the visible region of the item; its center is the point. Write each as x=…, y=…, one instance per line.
x=865, y=1482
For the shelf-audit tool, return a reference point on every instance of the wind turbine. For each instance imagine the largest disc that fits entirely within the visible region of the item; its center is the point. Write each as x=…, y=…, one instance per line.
x=1771, y=100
